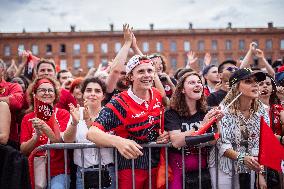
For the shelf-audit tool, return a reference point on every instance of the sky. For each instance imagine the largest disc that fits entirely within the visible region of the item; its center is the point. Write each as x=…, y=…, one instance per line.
x=96, y=15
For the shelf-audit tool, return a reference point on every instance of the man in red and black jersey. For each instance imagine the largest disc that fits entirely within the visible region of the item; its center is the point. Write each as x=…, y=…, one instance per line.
x=134, y=116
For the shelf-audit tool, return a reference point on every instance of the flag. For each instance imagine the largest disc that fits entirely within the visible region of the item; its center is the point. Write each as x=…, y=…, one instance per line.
x=161, y=170
x=30, y=64
x=271, y=152
x=46, y=113
x=205, y=127
x=42, y=110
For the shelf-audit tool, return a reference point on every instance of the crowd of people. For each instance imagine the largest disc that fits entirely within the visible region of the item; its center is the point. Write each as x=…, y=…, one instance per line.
x=134, y=101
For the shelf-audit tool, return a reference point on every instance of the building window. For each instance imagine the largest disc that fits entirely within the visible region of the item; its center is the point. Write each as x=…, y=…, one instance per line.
x=159, y=46
x=117, y=47
x=214, y=45
x=228, y=45
x=214, y=60
x=186, y=46
x=90, y=63
x=268, y=44
x=62, y=48
x=7, y=50
x=173, y=46
x=48, y=49
x=35, y=49
x=145, y=47
x=104, y=48
x=241, y=44
x=76, y=48
x=63, y=64
x=200, y=45
x=174, y=63
x=90, y=48
x=282, y=44
x=77, y=63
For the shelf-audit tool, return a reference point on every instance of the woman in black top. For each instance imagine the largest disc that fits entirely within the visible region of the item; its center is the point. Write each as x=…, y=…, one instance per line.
x=186, y=115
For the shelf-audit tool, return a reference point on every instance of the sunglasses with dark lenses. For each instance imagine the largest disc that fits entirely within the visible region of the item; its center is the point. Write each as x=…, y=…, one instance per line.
x=232, y=69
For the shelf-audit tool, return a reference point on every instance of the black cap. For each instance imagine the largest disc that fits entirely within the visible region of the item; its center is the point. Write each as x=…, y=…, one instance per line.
x=245, y=73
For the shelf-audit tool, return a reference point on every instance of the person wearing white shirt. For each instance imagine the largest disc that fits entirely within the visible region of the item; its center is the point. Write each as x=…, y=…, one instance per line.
x=93, y=91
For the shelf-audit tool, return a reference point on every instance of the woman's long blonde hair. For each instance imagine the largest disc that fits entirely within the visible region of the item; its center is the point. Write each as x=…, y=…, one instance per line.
x=232, y=94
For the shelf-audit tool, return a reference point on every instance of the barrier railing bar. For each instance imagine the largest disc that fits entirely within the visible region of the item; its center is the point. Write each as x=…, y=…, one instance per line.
x=65, y=168
x=183, y=168
x=83, y=166
x=199, y=167
x=150, y=168
x=48, y=168
x=167, y=164
x=100, y=168
x=116, y=168
x=133, y=173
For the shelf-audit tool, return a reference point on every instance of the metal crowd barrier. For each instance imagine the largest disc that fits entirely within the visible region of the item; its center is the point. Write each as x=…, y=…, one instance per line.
x=66, y=146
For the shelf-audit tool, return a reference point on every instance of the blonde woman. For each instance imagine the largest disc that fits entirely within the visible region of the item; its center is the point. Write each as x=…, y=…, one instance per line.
x=240, y=126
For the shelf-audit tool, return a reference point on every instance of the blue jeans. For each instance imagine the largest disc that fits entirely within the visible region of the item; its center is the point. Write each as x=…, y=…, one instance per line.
x=58, y=182
x=79, y=180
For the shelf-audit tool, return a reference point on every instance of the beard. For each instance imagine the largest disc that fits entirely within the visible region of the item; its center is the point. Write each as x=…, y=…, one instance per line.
x=122, y=84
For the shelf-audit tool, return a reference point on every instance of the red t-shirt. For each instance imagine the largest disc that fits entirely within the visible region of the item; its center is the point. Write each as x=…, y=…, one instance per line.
x=56, y=156
x=16, y=98
x=65, y=99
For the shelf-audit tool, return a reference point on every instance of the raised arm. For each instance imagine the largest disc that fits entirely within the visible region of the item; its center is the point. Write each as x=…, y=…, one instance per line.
x=246, y=61
x=135, y=47
x=192, y=61
x=119, y=60
x=263, y=62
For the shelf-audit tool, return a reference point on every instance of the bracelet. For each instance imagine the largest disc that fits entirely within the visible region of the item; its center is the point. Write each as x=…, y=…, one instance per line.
x=241, y=157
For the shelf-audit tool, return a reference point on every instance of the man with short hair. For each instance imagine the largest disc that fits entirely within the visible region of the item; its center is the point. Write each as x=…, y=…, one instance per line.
x=225, y=70
x=46, y=67
x=211, y=76
x=134, y=117
x=65, y=78
x=11, y=101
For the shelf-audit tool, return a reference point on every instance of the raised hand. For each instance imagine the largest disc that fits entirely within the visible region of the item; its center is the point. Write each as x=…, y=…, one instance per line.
x=207, y=59
x=259, y=54
x=75, y=112
x=252, y=46
x=191, y=58
x=127, y=33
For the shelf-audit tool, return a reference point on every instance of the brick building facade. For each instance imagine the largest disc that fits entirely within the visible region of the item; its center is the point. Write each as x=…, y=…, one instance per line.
x=73, y=50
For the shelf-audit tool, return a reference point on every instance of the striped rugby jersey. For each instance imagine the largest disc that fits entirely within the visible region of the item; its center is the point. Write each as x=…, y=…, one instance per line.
x=136, y=119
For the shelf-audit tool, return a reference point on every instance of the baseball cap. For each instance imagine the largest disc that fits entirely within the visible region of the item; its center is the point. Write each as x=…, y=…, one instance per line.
x=245, y=73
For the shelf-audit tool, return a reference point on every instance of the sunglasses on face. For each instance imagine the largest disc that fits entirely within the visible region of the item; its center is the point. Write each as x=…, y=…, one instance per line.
x=232, y=69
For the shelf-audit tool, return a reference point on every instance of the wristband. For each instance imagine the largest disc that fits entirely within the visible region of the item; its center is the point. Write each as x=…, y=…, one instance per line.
x=241, y=157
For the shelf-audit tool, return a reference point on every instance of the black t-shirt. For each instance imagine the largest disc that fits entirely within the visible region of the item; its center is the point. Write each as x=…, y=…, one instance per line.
x=173, y=121
x=215, y=98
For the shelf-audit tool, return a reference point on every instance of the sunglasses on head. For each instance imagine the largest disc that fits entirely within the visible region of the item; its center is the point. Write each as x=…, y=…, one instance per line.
x=232, y=69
